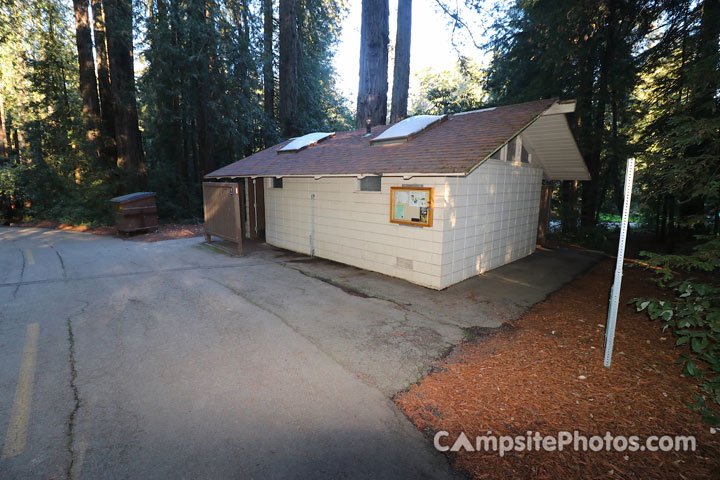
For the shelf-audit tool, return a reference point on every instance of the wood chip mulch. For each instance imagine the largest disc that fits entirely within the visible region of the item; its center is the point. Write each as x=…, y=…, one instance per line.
x=170, y=231
x=166, y=231
x=545, y=374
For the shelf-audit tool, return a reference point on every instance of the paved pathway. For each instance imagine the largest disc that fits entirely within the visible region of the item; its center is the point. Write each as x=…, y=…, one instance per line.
x=123, y=359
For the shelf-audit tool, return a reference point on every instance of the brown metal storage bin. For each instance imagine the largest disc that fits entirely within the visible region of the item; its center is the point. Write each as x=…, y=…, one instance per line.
x=135, y=211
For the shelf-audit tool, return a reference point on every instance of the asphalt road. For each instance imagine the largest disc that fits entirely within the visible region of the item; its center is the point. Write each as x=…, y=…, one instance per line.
x=123, y=359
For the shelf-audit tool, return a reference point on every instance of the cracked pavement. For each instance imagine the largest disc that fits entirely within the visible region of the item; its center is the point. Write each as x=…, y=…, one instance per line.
x=166, y=359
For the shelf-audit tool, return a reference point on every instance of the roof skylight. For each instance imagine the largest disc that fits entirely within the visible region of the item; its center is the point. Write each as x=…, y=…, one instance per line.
x=408, y=128
x=305, y=141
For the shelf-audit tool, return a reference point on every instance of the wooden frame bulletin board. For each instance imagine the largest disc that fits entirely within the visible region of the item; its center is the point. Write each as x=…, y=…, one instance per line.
x=411, y=206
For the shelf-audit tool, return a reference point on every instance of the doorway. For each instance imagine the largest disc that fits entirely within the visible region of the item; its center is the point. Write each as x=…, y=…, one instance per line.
x=255, y=188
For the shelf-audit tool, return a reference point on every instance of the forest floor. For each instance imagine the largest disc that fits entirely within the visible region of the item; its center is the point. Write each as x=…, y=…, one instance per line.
x=544, y=373
x=166, y=231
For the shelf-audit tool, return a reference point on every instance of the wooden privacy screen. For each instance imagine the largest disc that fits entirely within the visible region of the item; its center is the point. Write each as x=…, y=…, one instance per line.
x=221, y=201
x=411, y=206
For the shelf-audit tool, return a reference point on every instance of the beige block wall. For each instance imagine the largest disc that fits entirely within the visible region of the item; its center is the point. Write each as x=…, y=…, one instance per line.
x=354, y=228
x=490, y=219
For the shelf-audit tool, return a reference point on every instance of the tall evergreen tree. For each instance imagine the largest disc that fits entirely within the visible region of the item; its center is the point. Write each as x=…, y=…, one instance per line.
x=130, y=156
x=320, y=105
x=88, y=83
x=401, y=71
x=268, y=56
x=373, y=86
x=3, y=129
x=576, y=50
x=204, y=59
x=450, y=91
x=102, y=66
x=288, y=68
x=678, y=133
x=205, y=64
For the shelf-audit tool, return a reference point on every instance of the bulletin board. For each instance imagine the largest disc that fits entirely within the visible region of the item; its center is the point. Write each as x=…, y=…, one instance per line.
x=411, y=206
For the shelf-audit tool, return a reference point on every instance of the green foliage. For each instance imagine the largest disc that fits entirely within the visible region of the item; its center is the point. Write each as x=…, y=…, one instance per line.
x=50, y=173
x=595, y=238
x=177, y=200
x=38, y=191
x=645, y=76
x=678, y=132
x=449, y=91
x=212, y=114
x=199, y=99
x=693, y=316
x=320, y=106
x=615, y=218
x=679, y=148
x=704, y=257
x=13, y=193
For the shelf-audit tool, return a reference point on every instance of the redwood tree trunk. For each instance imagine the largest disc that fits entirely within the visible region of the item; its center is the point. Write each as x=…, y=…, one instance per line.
x=401, y=72
x=544, y=214
x=204, y=115
x=103, y=69
x=568, y=212
x=288, y=68
x=20, y=117
x=373, y=86
x=88, y=84
x=268, y=74
x=3, y=130
x=83, y=40
x=118, y=17
x=590, y=190
x=705, y=93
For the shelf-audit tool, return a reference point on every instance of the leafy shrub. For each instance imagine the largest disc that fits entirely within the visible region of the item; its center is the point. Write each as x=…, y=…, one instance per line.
x=704, y=257
x=596, y=238
x=12, y=191
x=177, y=199
x=37, y=191
x=693, y=316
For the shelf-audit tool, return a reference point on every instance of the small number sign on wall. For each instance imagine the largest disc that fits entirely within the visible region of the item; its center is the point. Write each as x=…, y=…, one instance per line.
x=411, y=206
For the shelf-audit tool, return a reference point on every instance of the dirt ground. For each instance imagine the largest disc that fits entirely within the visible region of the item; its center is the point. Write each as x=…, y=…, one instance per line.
x=167, y=231
x=545, y=374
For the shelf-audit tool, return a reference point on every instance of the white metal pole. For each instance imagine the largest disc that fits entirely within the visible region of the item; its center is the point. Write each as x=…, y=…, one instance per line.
x=312, y=225
x=615, y=291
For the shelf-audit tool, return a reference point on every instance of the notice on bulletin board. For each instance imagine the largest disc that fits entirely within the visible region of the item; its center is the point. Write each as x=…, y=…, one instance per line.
x=411, y=205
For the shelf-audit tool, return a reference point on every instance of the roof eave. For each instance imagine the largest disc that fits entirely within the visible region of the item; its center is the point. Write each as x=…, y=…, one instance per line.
x=487, y=157
x=327, y=175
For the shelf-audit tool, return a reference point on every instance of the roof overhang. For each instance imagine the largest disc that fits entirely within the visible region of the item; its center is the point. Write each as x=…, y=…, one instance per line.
x=405, y=176
x=561, y=106
x=546, y=133
x=553, y=144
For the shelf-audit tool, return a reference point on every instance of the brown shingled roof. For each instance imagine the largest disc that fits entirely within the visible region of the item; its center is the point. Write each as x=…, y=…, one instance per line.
x=454, y=146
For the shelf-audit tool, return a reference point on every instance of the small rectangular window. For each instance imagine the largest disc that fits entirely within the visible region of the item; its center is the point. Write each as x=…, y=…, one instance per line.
x=371, y=183
x=524, y=156
x=277, y=183
x=512, y=147
x=498, y=155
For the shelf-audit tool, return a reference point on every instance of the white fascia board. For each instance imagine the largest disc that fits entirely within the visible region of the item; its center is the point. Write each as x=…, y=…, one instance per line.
x=561, y=107
x=354, y=175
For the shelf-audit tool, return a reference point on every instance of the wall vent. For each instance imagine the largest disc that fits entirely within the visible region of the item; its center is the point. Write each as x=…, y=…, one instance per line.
x=404, y=263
